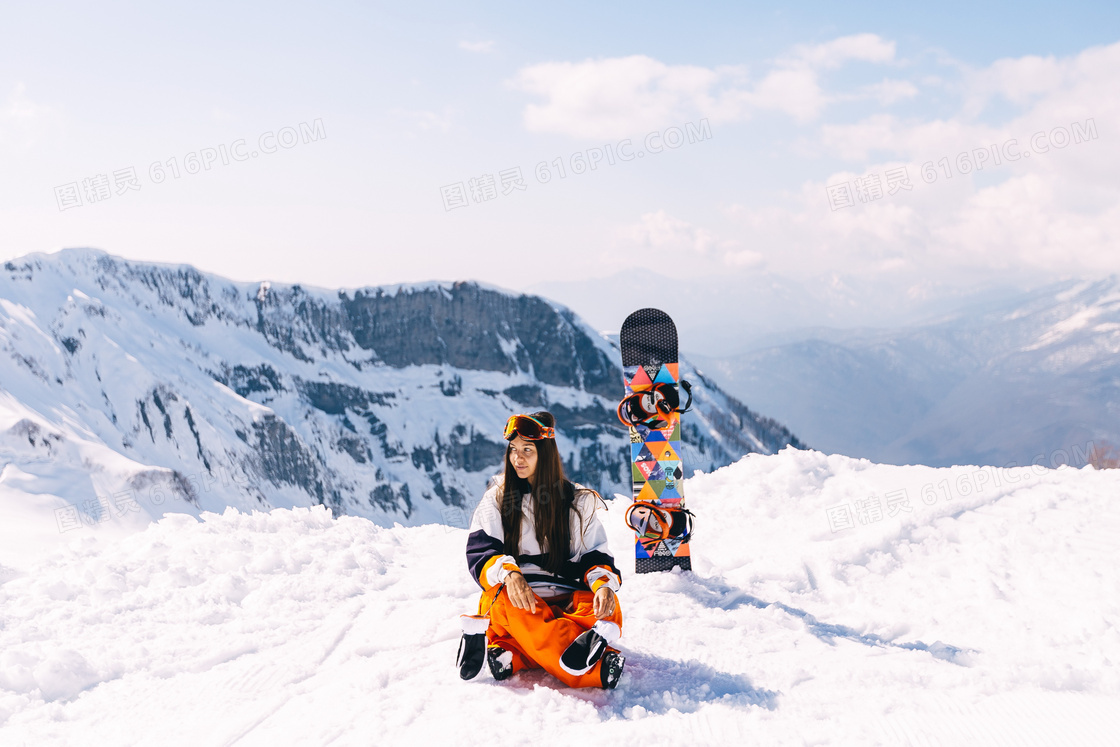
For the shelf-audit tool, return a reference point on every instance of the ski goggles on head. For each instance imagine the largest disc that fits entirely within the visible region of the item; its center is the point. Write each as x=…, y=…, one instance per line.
x=527, y=427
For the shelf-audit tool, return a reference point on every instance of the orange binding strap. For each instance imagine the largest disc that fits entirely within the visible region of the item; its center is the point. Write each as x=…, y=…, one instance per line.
x=655, y=522
x=649, y=520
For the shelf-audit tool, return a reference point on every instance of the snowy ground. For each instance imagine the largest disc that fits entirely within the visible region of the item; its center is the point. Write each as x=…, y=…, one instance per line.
x=985, y=614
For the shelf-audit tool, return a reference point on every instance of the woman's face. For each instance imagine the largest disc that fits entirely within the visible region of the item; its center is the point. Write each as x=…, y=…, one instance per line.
x=523, y=457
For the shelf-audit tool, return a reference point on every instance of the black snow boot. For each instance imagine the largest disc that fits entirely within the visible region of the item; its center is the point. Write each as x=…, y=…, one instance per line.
x=611, y=670
x=582, y=653
x=500, y=661
x=472, y=650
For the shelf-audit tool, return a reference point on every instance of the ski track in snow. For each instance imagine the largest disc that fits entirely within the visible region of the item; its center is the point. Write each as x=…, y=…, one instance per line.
x=987, y=618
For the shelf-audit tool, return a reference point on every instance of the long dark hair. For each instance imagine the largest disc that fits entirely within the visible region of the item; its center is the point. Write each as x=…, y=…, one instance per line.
x=553, y=499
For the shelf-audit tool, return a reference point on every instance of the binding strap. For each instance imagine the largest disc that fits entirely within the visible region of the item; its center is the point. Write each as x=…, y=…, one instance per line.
x=658, y=522
x=687, y=390
x=648, y=406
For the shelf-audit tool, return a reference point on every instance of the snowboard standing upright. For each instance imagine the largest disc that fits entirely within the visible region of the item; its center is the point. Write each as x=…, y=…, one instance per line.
x=648, y=341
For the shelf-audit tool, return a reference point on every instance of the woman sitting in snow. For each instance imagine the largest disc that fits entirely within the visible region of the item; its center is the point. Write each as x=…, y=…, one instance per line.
x=540, y=555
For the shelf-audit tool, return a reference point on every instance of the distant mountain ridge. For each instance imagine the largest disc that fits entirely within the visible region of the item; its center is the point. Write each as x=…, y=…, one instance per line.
x=1008, y=382
x=382, y=402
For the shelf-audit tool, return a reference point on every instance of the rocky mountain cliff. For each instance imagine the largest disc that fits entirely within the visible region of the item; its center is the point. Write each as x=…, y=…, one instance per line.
x=162, y=385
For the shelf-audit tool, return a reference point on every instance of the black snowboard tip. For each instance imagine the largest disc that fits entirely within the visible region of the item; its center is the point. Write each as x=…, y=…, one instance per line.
x=648, y=338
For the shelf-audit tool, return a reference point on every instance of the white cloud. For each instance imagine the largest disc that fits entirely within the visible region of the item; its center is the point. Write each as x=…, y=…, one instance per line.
x=662, y=230
x=1019, y=80
x=794, y=88
x=218, y=114
x=745, y=258
x=613, y=97
x=424, y=120
x=1031, y=79
x=19, y=108
x=795, y=92
x=881, y=132
x=887, y=92
x=621, y=96
x=661, y=235
x=857, y=47
x=20, y=118
x=1024, y=221
x=480, y=47
x=1052, y=93
x=1055, y=212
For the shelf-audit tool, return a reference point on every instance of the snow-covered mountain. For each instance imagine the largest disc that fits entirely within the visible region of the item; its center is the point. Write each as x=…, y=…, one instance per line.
x=1036, y=378
x=143, y=385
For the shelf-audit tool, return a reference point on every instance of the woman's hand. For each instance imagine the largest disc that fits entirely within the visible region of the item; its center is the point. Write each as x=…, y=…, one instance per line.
x=517, y=588
x=604, y=603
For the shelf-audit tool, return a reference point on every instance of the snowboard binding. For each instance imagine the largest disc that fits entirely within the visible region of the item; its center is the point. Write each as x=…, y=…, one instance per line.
x=649, y=407
x=652, y=521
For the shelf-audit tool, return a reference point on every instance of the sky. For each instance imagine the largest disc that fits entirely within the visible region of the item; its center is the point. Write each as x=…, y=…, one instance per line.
x=821, y=149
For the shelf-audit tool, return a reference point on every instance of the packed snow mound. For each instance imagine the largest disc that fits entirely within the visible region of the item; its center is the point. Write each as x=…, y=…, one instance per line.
x=832, y=601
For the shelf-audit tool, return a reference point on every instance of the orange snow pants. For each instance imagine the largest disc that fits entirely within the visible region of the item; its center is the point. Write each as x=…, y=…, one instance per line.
x=537, y=640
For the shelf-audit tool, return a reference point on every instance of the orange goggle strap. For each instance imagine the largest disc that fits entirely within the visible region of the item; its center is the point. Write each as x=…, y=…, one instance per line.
x=513, y=427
